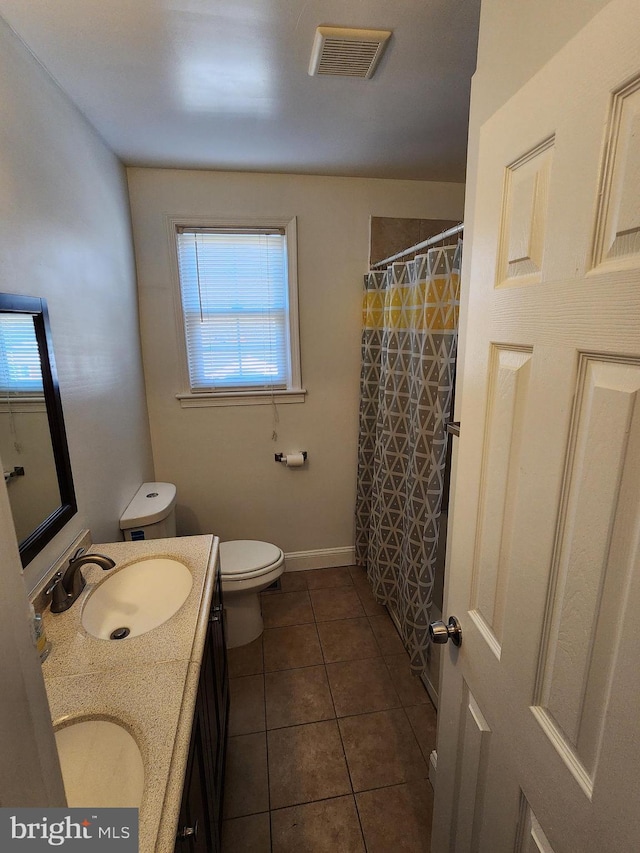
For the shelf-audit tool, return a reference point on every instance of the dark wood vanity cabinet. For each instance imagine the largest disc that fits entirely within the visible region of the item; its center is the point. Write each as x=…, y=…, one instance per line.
x=200, y=820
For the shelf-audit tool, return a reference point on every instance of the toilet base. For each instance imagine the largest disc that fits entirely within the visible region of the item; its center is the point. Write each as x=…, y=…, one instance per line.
x=243, y=618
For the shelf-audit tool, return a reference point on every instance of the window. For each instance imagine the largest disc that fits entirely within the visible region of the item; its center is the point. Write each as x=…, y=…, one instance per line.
x=239, y=308
x=20, y=373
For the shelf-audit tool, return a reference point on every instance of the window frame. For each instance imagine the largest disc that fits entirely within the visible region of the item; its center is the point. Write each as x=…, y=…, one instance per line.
x=294, y=392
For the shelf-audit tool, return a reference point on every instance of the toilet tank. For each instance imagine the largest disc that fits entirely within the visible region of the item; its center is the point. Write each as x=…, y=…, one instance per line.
x=151, y=514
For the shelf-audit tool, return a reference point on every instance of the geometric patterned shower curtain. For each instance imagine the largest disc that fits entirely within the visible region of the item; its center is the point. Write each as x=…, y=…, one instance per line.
x=408, y=364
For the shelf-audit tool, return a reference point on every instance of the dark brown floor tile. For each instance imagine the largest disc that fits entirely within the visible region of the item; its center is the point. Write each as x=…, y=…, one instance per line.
x=365, y=594
x=246, y=660
x=330, y=826
x=361, y=686
x=246, y=788
x=397, y=819
x=246, y=711
x=381, y=750
x=288, y=608
x=293, y=581
x=328, y=578
x=306, y=763
x=251, y=834
x=287, y=648
x=347, y=639
x=290, y=582
x=410, y=688
x=337, y=603
x=297, y=696
x=357, y=573
x=424, y=723
x=386, y=635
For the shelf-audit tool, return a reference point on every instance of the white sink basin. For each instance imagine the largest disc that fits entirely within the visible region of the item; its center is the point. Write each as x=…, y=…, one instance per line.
x=139, y=597
x=101, y=765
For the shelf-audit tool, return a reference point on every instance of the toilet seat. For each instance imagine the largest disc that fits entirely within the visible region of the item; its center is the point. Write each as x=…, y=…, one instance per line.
x=242, y=559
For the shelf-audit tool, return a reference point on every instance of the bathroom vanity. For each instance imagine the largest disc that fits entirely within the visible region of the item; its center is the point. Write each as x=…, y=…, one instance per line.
x=167, y=687
x=200, y=818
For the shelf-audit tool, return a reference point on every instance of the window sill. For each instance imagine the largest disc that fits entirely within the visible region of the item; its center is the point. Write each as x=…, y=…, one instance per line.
x=241, y=398
x=28, y=403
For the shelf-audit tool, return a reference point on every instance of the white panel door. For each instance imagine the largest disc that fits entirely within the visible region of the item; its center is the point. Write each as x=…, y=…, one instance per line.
x=539, y=718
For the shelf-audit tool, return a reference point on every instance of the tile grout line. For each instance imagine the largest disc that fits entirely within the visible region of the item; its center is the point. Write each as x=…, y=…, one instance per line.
x=315, y=624
x=418, y=749
x=344, y=755
x=299, y=725
x=324, y=660
x=353, y=793
x=294, y=668
x=326, y=799
x=326, y=675
x=335, y=717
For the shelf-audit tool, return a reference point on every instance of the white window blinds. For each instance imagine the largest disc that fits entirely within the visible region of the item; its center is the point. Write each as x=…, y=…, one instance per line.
x=20, y=372
x=235, y=305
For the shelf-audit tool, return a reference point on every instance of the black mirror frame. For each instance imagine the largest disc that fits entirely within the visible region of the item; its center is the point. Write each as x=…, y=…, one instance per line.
x=45, y=531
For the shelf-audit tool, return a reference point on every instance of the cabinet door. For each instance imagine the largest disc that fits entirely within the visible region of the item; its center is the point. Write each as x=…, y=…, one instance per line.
x=202, y=794
x=195, y=832
x=219, y=650
x=214, y=683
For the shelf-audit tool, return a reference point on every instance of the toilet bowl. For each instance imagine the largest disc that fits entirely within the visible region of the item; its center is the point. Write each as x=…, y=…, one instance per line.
x=247, y=567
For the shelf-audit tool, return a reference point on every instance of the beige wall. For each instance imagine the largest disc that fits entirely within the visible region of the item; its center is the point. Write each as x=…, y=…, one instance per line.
x=516, y=39
x=66, y=236
x=221, y=459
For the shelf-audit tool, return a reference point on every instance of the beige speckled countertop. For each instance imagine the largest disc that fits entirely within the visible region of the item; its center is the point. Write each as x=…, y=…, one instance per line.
x=147, y=683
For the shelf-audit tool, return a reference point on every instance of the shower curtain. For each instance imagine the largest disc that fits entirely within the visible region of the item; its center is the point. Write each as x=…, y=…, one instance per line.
x=408, y=365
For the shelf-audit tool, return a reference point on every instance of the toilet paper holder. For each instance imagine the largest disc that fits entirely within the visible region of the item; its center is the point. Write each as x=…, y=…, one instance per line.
x=282, y=457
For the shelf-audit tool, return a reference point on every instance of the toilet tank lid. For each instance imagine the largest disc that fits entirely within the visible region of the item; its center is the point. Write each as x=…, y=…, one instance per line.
x=151, y=503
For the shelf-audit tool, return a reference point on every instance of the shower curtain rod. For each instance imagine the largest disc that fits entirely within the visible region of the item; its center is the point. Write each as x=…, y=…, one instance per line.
x=450, y=232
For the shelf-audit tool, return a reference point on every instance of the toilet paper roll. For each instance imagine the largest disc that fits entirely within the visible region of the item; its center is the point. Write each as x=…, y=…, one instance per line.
x=294, y=460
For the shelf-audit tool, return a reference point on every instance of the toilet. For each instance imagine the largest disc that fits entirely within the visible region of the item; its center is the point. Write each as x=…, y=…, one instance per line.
x=151, y=513
x=247, y=566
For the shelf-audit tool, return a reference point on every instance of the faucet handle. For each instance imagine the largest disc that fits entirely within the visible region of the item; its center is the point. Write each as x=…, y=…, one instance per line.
x=78, y=553
x=59, y=595
x=55, y=580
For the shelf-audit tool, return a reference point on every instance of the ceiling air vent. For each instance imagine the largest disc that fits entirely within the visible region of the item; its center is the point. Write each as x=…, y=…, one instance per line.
x=347, y=53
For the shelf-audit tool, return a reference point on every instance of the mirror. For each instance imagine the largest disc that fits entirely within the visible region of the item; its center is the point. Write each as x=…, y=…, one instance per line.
x=33, y=442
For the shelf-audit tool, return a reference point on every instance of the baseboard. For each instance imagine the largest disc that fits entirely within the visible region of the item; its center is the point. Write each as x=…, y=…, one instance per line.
x=394, y=618
x=426, y=681
x=431, y=689
x=322, y=558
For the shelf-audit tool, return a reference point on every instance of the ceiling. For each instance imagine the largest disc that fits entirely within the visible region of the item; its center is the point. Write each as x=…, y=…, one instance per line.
x=223, y=84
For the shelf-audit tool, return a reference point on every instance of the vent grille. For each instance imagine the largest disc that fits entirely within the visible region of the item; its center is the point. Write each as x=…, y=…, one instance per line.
x=347, y=53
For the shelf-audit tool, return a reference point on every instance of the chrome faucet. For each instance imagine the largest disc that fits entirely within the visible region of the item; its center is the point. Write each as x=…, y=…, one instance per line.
x=68, y=586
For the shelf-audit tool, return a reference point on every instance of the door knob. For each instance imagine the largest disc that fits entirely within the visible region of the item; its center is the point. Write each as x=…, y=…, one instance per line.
x=441, y=633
